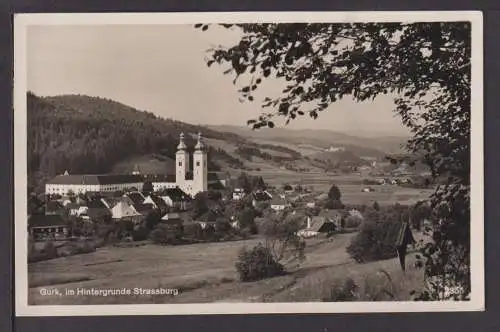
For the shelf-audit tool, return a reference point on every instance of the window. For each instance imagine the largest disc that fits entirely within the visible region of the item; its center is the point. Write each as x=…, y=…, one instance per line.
x=180, y=163
x=197, y=163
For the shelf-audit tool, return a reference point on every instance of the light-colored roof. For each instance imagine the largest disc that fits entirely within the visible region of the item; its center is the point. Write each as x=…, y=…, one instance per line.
x=124, y=210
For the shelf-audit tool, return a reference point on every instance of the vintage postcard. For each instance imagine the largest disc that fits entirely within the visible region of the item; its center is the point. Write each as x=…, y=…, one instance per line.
x=232, y=163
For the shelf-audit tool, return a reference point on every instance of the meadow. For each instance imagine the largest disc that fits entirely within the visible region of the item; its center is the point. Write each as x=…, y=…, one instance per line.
x=205, y=273
x=350, y=186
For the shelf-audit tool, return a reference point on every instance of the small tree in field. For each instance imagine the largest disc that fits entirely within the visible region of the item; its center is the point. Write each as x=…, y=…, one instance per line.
x=334, y=193
x=280, y=233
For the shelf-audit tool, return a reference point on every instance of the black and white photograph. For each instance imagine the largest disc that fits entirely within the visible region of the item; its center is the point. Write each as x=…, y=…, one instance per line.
x=196, y=163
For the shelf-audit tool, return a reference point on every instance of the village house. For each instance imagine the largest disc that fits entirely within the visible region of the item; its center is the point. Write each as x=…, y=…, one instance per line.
x=333, y=216
x=97, y=211
x=238, y=194
x=156, y=202
x=279, y=204
x=261, y=197
x=172, y=218
x=175, y=198
x=47, y=227
x=124, y=211
x=317, y=225
x=311, y=204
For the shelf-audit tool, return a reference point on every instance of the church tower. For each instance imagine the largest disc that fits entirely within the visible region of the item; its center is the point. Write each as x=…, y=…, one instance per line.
x=200, y=167
x=181, y=162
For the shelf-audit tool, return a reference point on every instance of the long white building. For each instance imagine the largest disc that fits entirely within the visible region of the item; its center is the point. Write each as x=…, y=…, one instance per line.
x=191, y=182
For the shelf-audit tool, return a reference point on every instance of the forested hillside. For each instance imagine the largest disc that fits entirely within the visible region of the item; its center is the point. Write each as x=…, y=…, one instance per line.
x=84, y=134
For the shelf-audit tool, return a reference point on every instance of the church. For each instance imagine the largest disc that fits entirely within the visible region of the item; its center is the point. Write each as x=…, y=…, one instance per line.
x=191, y=182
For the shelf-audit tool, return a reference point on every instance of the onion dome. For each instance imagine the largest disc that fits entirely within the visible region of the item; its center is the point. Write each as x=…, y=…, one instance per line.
x=200, y=145
x=182, y=145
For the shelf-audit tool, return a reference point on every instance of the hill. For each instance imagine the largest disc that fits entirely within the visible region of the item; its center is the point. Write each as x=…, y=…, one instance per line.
x=94, y=135
x=320, y=139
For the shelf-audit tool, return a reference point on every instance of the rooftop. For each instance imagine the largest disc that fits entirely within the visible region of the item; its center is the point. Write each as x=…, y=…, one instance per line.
x=46, y=220
x=93, y=179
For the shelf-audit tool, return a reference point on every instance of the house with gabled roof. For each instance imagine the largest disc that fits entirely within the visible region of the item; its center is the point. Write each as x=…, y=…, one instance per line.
x=279, y=204
x=43, y=227
x=156, y=202
x=317, y=225
x=175, y=198
x=260, y=197
x=125, y=211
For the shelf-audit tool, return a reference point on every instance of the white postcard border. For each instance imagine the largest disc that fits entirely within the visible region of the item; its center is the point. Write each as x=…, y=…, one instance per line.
x=22, y=21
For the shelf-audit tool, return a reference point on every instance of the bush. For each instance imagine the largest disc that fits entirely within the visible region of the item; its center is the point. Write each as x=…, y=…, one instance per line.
x=257, y=263
x=49, y=249
x=342, y=293
x=371, y=243
x=166, y=234
x=333, y=205
x=353, y=221
x=194, y=231
x=140, y=234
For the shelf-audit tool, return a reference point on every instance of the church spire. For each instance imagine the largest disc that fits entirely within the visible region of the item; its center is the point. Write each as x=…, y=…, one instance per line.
x=200, y=145
x=182, y=145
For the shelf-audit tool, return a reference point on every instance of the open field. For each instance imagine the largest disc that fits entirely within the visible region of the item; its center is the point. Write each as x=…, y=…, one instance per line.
x=350, y=186
x=206, y=273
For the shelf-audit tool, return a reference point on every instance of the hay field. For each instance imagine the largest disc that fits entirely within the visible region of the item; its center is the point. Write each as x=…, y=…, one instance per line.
x=203, y=273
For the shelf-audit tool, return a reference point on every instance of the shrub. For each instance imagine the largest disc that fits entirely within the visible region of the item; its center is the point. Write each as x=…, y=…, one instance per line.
x=333, y=204
x=194, y=231
x=353, y=221
x=344, y=292
x=166, y=234
x=49, y=249
x=140, y=234
x=372, y=243
x=257, y=263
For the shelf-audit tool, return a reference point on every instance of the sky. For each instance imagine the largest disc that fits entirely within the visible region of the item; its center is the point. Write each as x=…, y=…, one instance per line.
x=162, y=69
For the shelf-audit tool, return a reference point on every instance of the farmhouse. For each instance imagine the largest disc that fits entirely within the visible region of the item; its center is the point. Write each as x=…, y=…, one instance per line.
x=156, y=202
x=124, y=211
x=317, y=225
x=279, y=204
x=333, y=216
x=175, y=198
x=238, y=194
x=261, y=197
x=42, y=227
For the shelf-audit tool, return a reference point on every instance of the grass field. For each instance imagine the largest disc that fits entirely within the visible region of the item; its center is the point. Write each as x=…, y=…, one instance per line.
x=206, y=273
x=350, y=186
